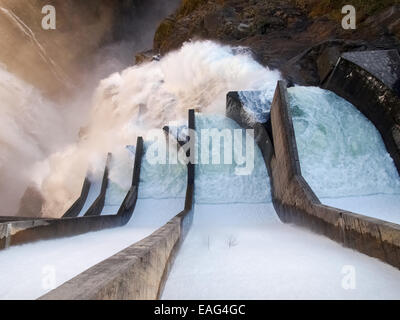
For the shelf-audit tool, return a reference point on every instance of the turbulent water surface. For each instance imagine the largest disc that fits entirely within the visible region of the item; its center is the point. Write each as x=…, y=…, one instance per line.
x=148, y=96
x=342, y=155
x=222, y=183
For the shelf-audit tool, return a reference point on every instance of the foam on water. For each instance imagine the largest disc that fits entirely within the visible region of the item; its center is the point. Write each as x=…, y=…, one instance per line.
x=242, y=251
x=341, y=152
x=94, y=192
x=220, y=183
x=120, y=176
x=257, y=103
x=162, y=180
x=159, y=181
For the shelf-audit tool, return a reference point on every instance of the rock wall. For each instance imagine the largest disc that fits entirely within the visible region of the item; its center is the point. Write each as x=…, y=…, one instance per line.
x=289, y=35
x=87, y=33
x=50, y=59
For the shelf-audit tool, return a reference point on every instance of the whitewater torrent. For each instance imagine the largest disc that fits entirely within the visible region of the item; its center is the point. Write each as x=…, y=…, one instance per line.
x=127, y=105
x=342, y=155
x=147, y=96
x=211, y=178
x=164, y=181
x=237, y=247
x=341, y=152
x=242, y=251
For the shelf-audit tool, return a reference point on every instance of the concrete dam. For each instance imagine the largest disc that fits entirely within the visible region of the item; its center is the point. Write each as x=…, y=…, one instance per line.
x=305, y=186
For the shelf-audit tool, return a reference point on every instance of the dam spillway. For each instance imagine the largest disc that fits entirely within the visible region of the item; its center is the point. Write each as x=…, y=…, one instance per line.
x=24, y=267
x=342, y=155
x=271, y=228
x=68, y=257
x=238, y=248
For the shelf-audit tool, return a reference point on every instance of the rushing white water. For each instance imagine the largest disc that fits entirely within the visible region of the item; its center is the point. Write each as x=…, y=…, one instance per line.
x=257, y=103
x=342, y=155
x=163, y=181
x=94, y=192
x=234, y=250
x=341, y=152
x=119, y=179
x=214, y=179
x=151, y=95
x=243, y=251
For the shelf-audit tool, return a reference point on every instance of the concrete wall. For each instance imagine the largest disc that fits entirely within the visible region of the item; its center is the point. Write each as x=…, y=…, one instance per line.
x=140, y=271
x=19, y=232
x=295, y=202
x=379, y=103
x=80, y=202
x=97, y=207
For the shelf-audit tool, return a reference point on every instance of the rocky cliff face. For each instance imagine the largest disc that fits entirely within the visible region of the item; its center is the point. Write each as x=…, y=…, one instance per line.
x=86, y=31
x=298, y=37
x=49, y=59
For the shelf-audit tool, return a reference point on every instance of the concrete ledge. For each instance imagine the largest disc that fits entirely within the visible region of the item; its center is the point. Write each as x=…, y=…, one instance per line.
x=97, y=207
x=140, y=271
x=20, y=232
x=295, y=202
x=134, y=273
x=80, y=202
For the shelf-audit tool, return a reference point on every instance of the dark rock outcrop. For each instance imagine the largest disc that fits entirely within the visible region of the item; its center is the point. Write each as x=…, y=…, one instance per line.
x=281, y=33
